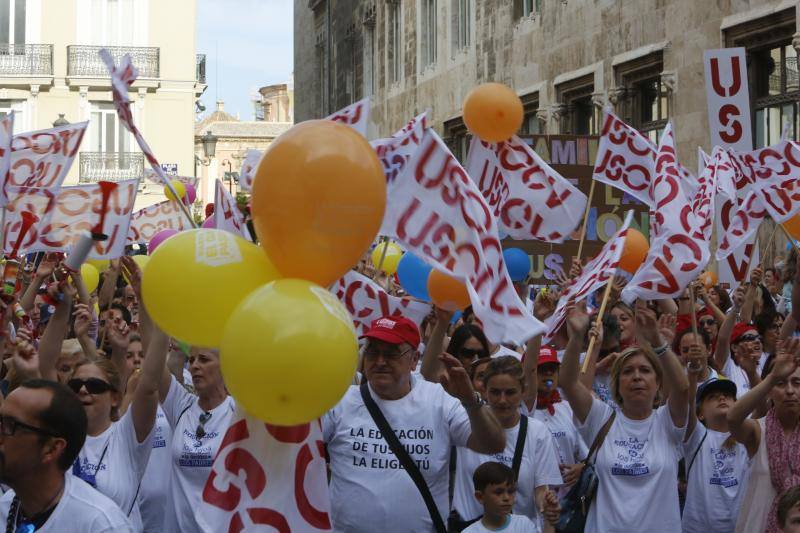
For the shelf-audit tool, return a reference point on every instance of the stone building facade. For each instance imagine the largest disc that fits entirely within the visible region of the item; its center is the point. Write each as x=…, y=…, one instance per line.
x=565, y=58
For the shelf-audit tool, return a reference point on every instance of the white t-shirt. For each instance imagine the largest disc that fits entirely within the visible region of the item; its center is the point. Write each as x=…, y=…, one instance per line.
x=369, y=489
x=637, y=469
x=80, y=509
x=154, y=494
x=569, y=444
x=539, y=467
x=192, y=457
x=735, y=373
x=515, y=524
x=118, y=461
x=602, y=388
x=716, y=482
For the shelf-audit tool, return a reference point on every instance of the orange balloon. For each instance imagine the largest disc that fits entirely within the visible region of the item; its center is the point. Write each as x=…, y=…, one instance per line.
x=634, y=251
x=318, y=200
x=493, y=112
x=792, y=227
x=447, y=292
x=708, y=278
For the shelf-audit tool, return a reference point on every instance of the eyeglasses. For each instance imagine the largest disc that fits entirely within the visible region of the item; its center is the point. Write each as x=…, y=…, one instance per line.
x=469, y=353
x=708, y=322
x=9, y=426
x=750, y=337
x=200, y=432
x=93, y=385
x=392, y=355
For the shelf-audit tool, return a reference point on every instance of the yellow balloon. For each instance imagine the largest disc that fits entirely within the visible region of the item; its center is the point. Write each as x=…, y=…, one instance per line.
x=179, y=187
x=284, y=340
x=91, y=277
x=100, y=264
x=195, y=279
x=140, y=260
x=390, y=261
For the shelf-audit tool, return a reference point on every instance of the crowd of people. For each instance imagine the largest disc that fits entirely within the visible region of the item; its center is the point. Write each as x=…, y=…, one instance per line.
x=685, y=417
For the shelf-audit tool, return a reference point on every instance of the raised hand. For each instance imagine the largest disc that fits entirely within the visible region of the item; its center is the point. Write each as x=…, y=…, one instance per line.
x=118, y=335
x=83, y=319
x=576, y=269
x=647, y=325
x=47, y=266
x=756, y=275
x=738, y=297
x=26, y=356
x=697, y=359
x=455, y=379
x=577, y=322
x=544, y=305
x=787, y=358
x=667, y=323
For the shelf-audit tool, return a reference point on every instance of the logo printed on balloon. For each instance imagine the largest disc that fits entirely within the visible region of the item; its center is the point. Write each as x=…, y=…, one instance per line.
x=216, y=248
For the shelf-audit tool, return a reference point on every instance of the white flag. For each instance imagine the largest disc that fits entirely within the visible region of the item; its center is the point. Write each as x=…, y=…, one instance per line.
x=227, y=215
x=355, y=115
x=249, y=166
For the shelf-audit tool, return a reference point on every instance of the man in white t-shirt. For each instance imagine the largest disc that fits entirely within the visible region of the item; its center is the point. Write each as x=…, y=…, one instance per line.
x=42, y=430
x=370, y=491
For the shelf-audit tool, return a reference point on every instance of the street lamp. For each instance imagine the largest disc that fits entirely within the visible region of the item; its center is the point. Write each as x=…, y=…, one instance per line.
x=209, y=143
x=60, y=121
x=229, y=173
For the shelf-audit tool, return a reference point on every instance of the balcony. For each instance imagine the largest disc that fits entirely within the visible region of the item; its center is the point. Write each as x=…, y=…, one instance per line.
x=110, y=166
x=84, y=61
x=200, y=76
x=26, y=60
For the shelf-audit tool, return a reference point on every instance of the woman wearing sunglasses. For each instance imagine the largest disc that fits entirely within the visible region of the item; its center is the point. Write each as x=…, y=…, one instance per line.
x=738, y=348
x=468, y=344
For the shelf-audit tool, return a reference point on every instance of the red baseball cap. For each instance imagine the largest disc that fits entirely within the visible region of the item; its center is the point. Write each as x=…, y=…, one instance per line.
x=394, y=330
x=548, y=355
x=740, y=329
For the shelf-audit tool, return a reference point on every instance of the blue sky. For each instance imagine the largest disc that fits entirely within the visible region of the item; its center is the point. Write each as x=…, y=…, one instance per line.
x=248, y=44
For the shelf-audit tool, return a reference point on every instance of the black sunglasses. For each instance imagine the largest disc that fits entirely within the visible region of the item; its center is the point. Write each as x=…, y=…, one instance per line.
x=750, y=337
x=470, y=353
x=708, y=322
x=93, y=385
x=9, y=426
x=200, y=432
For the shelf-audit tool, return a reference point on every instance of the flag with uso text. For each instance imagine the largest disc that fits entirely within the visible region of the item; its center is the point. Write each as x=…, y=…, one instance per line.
x=267, y=478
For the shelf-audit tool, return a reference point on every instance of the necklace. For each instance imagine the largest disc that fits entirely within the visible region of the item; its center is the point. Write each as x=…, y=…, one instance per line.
x=12, y=522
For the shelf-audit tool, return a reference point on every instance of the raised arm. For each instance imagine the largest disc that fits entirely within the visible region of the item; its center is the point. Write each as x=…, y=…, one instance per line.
x=146, y=397
x=577, y=394
x=543, y=306
x=53, y=338
x=106, y=293
x=748, y=307
x=134, y=274
x=83, y=319
x=746, y=430
x=702, y=293
x=722, y=351
x=674, y=375
x=697, y=363
x=43, y=272
x=431, y=367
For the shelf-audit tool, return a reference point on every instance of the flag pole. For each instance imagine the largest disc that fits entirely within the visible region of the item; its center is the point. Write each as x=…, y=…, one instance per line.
x=598, y=322
x=693, y=311
x=586, y=219
x=791, y=239
x=770, y=243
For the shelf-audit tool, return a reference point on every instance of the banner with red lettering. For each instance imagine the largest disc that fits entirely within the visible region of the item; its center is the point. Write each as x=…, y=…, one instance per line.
x=355, y=115
x=679, y=248
x=145, y=223
x=597, y=273
x=227, y=215
x=437, y=212
x=529, y=199
x=249, y=166
x=775, y=172
x=64, y=214
x=268, y=478
x=122, y=77
x=43, y=158
x=728, y=98
x=6, y=136
x=366, y=301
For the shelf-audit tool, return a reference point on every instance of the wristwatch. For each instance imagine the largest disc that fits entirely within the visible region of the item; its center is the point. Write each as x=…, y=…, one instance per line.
x=476, y=402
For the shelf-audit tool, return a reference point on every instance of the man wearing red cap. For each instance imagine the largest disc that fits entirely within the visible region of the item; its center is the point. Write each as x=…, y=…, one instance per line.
x=370, y=490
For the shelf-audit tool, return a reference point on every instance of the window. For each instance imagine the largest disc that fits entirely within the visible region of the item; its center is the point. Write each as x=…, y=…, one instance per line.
x=462, y=24
x=578, y=114
x=368, y=59
x=112, y=22
x=106, y=134
x=457, y=138
x=427, y=33
x=776, y=94
x=644, y=100
x=17, y=106
x=322, y=73
x=12, y=22
x=526, y=8
x=531, y=123
x=394, y=39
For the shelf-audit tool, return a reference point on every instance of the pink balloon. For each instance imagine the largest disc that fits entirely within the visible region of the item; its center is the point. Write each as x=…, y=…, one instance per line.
x=191, y=193
x=209, y=223
x=160, y=237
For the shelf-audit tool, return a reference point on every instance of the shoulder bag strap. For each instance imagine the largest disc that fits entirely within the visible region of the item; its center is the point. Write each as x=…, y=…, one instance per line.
x=694, y=456
x=601, y=436
x=520, y=446
x=402, y=455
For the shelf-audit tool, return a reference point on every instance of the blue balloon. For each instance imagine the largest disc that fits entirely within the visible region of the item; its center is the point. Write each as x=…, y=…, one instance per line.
x=456, y=316
x=518, y=263
x=413, y=275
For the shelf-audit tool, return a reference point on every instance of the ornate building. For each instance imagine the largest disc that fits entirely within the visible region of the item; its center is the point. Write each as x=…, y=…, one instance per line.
x=565, y=58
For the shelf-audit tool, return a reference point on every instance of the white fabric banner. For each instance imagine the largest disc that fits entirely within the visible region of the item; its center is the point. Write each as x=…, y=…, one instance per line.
x=227, y=215
x=597, y=273
x=66, y=213
x=6, y=137
x=145, y=223
x=728, y=98
x=366, y=301
x=528, y=198
x=267, y=478
x=679, y=250
x=249, y=166
x=355, y=115
x=437, y=212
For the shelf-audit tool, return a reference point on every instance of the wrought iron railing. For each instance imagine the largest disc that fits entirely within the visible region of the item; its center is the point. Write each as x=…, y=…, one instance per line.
x=85, y=60
x=201, y=68
x=110, y=166
x=775, y=86
x=26, y=59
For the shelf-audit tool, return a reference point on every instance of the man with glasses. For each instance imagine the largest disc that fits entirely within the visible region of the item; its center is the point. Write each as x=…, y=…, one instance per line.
x=42, y=430
x=370, y=491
